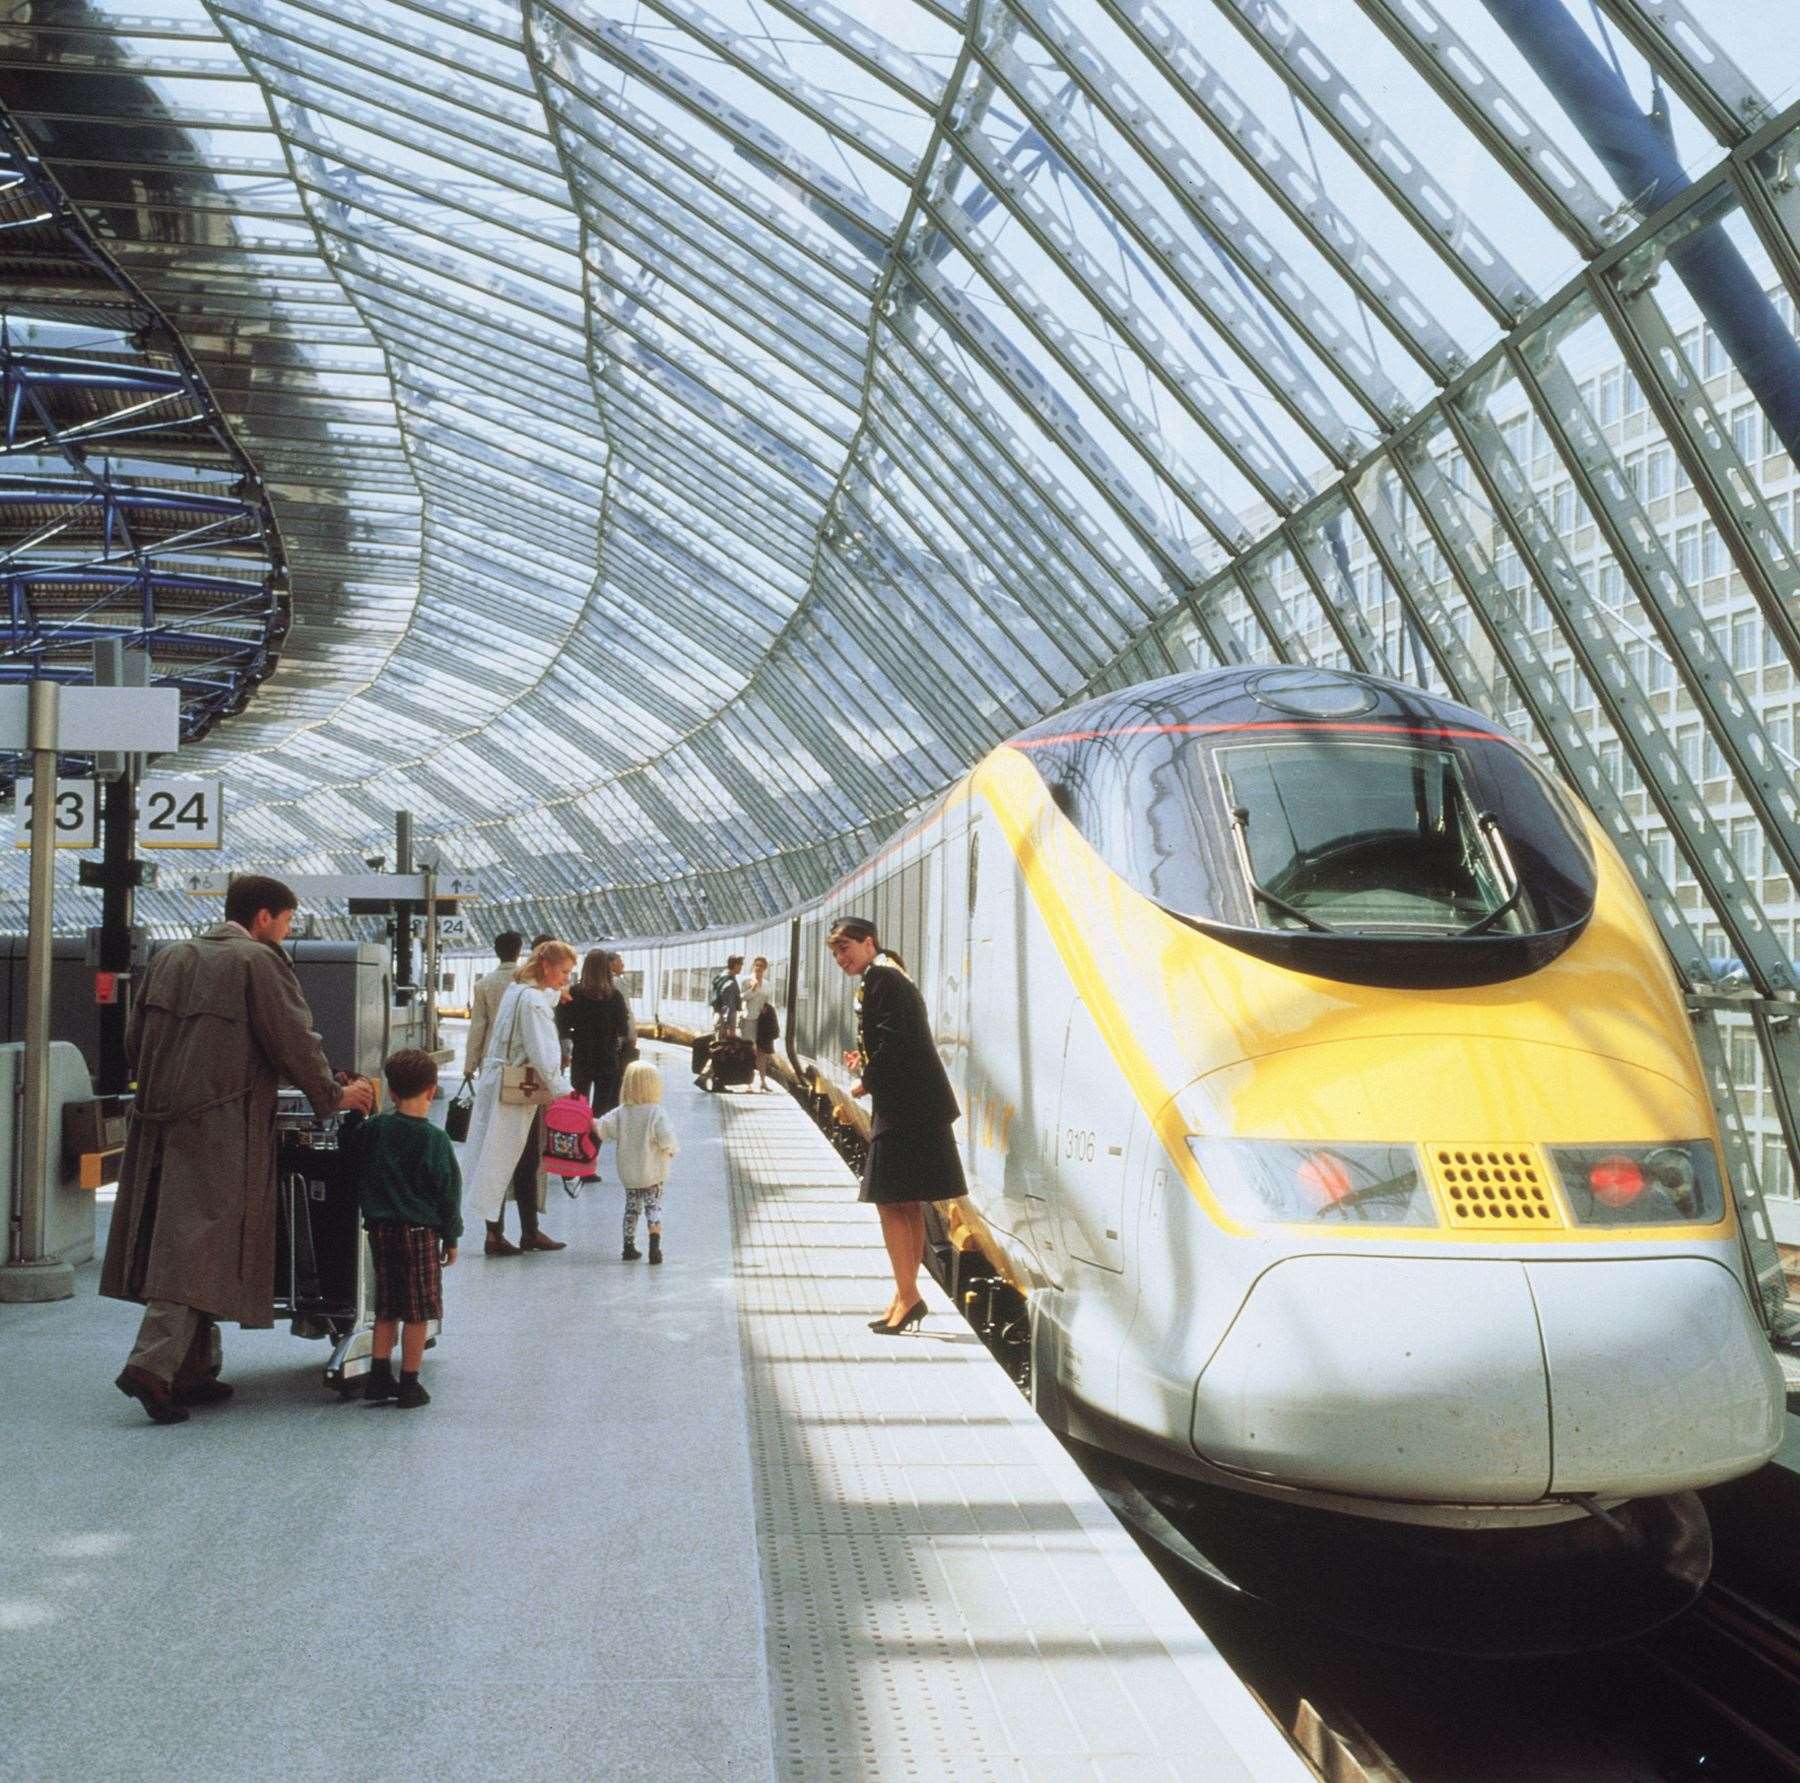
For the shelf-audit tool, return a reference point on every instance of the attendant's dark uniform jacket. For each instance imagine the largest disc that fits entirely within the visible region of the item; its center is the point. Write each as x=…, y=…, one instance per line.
x=913, y=1156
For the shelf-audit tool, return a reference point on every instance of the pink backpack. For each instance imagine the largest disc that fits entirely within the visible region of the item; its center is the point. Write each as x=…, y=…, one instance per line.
x=569, y=1147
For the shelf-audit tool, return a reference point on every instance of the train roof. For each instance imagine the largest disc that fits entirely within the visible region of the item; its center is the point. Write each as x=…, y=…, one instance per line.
x=1259, y=694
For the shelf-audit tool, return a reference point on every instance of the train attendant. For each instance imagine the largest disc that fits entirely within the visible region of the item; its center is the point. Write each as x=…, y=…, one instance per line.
x=912, y=1154
x=524, y=1033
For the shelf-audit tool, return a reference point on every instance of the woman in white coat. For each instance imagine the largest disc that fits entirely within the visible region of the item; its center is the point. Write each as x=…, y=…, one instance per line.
x=523, y=1033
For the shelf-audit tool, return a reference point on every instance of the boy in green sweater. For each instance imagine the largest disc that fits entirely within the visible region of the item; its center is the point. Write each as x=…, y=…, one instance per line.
x=410, y=1193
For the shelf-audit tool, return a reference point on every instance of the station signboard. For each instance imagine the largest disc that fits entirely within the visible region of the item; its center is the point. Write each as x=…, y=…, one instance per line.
x=181, y=813
x=77, y=814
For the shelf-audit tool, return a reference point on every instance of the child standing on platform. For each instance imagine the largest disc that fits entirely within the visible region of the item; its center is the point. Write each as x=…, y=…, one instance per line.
x=410, y=1191
x=646, y=1144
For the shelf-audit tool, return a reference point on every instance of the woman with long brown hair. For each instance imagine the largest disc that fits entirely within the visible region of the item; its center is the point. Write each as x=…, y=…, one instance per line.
x=594, y=1026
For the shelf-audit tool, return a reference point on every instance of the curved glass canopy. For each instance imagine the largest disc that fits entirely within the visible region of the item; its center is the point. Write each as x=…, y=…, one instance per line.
x=699, y=430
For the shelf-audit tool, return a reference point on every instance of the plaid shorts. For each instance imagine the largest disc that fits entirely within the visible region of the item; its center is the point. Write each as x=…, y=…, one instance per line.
x=409, y=1275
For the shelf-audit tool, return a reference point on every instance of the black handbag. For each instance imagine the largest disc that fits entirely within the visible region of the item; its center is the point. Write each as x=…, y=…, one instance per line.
x=462, y=1106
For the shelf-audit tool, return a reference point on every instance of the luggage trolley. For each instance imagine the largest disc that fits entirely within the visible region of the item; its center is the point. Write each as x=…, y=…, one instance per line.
x=323, y=1282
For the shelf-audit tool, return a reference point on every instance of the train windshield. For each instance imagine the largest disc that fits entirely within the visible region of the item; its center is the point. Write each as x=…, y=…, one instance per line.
x=1411, y=853
x=1375, y=837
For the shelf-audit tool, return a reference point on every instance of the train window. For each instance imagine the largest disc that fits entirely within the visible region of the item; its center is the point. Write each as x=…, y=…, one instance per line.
x=1366, y=836
x=1335, y=845
x=912, y=915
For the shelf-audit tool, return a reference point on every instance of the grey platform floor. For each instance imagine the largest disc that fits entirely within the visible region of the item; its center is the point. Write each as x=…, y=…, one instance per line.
x=691, y=1522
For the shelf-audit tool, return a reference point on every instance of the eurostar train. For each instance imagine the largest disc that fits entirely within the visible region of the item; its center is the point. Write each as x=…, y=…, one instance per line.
x=1329, y=1101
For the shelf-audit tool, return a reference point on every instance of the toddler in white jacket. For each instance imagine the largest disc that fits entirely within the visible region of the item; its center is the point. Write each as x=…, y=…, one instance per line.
x=646, y=1143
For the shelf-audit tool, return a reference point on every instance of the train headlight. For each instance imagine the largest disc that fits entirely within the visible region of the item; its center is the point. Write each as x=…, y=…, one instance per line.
x=1271, y=1182
x=1640, y=1185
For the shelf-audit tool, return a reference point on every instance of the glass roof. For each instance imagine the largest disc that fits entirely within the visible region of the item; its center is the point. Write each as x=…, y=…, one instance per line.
x=699, y=430
x=622, y=372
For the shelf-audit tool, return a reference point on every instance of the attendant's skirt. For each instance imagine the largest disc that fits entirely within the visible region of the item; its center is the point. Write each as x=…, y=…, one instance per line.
x=913, y=1164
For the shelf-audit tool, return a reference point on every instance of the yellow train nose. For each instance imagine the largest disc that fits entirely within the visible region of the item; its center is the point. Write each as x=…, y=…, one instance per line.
x=1436, y=1086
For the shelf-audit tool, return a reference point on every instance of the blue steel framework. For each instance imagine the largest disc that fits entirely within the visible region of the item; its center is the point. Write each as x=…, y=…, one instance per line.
x=127, y=511
x=707, y=426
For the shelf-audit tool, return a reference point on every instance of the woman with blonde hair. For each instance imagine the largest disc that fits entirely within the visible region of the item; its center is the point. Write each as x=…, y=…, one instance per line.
x=646, y=1146
x=523, y=1033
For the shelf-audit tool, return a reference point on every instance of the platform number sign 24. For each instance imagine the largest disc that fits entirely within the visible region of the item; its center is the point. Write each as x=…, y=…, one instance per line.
x=181, y=813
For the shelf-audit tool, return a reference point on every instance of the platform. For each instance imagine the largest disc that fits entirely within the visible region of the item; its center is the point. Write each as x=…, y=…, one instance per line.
x=686, y=1522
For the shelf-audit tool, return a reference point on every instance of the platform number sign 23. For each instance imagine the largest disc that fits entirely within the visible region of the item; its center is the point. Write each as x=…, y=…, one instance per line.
x=181, y=813
x=77, y=815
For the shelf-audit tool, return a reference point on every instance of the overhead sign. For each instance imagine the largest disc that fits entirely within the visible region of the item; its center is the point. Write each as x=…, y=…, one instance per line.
x=77, y=815
x=452, y=928
x=384, y=889
x=181, y=813
x=146, y=720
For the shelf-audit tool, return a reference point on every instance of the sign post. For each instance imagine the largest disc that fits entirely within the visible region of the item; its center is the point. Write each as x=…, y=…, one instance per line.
x=431, y=959
x=46, y=718
x=119, y=876
x=30, y=1275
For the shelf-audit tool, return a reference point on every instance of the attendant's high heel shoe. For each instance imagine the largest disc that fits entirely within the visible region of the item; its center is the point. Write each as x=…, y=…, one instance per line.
x=909, y=1318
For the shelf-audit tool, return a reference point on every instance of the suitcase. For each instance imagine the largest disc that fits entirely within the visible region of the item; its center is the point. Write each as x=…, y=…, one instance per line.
x=701, y=1053
x=733, y=1061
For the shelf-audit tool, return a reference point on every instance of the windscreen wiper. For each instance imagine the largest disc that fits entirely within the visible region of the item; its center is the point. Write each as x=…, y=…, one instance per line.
x=1489, y=825
x=1240, y=828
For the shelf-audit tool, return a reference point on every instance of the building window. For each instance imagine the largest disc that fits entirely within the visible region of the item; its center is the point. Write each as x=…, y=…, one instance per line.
x=1657, y=465
x=1687, y=555
x=1744, y=650
x=1747, y=432
x=1609, y=398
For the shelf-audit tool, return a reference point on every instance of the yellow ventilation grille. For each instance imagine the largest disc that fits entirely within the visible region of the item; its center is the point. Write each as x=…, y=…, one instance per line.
x=1493, y=1188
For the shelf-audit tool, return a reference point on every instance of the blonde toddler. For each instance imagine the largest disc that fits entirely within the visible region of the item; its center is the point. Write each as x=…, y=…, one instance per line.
x=646, y=1144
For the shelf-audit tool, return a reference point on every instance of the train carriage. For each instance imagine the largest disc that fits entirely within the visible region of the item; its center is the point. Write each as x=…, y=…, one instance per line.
x=1328, y=1099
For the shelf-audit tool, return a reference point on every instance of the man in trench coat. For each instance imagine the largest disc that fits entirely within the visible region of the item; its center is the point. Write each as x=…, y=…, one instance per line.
x=218, y=1024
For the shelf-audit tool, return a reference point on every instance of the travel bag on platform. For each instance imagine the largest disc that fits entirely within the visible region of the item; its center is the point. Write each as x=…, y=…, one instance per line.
x=701, y=1053
x=733, y=1061
x=458, y=1111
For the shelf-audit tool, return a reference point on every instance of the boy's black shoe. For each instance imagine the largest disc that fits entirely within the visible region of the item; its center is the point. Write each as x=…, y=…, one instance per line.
x=410, y=1394
x=631, y=1253
x=655, y=1247
x=379, y=1385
